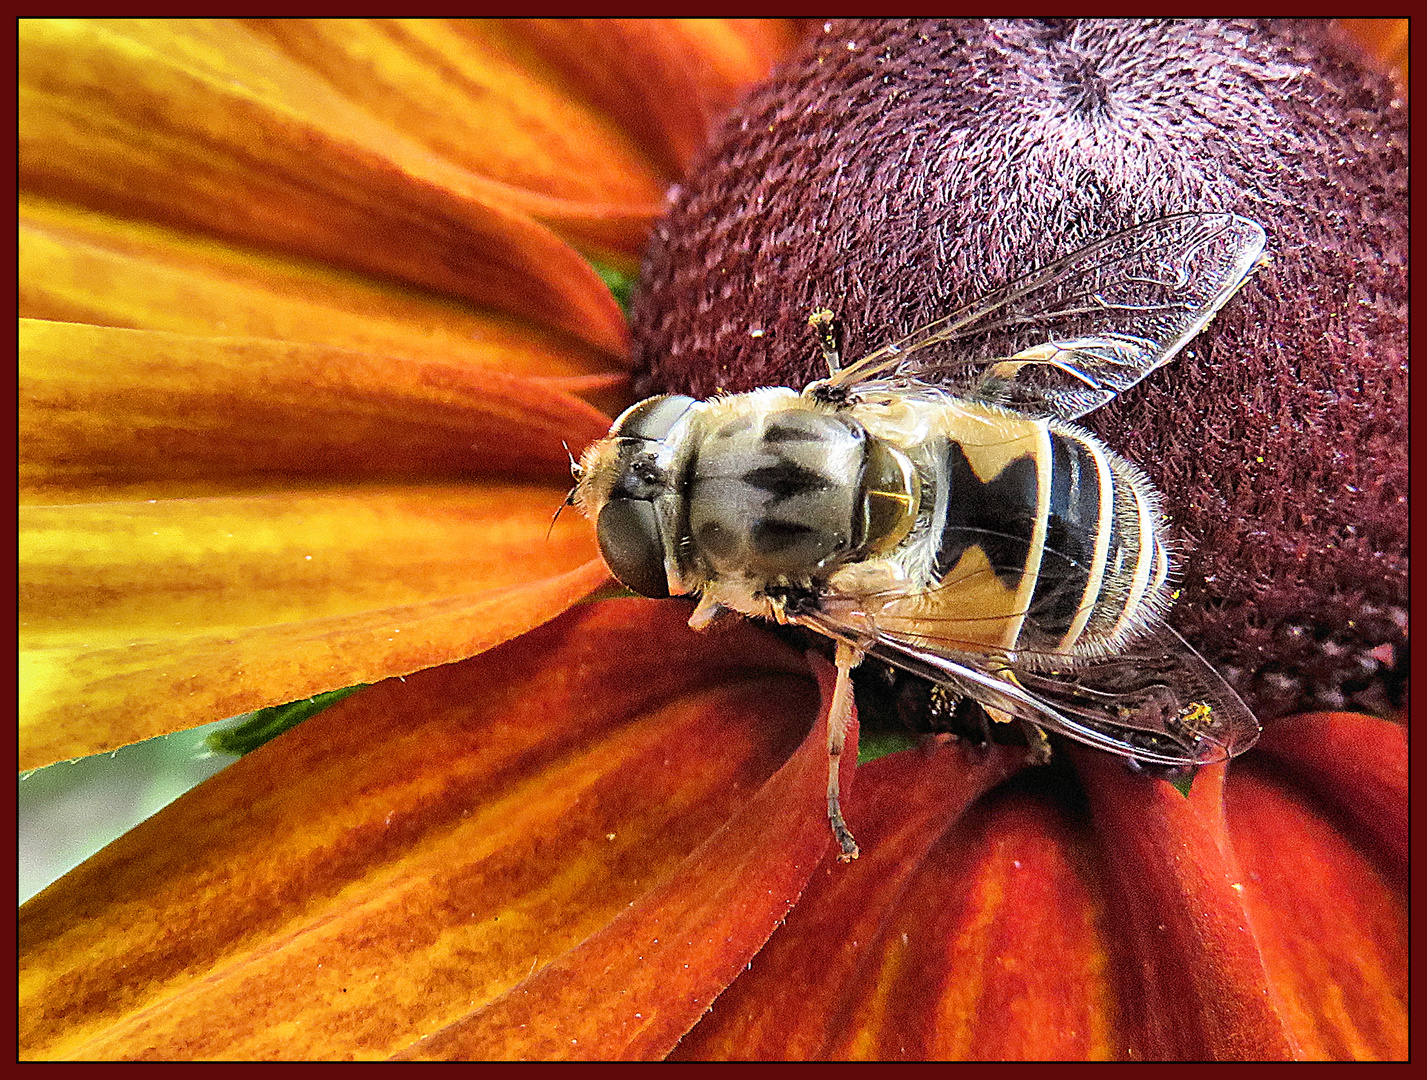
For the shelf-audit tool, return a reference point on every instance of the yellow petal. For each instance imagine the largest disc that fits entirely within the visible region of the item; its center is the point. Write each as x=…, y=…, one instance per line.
x=204, y=125
x=104, y=574
x=108, y=413
x=469, y=93
x=144, y=618
x=214, y=525
x=81, y=266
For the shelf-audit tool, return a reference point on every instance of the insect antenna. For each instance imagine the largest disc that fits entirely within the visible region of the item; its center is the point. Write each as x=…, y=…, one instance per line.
x=569, y=501
x=575, y=471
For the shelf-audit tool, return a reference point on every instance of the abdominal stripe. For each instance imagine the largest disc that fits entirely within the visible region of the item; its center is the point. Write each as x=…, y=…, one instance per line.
x=1071, y=530
x=998, y=515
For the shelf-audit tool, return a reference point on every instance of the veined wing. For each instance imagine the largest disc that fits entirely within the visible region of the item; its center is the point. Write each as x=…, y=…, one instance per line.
x=1157, y=704
x=1067, y=338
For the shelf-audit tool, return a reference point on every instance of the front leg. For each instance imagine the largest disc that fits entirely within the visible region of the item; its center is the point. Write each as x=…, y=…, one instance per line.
x=789, y=602
x=822, y=322
x=838, y=721
x=707, y=612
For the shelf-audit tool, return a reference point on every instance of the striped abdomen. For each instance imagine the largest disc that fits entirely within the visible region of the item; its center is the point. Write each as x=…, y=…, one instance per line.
x=1043, y=541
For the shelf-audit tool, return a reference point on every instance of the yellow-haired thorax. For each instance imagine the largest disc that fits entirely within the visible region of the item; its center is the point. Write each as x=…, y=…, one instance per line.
x=717, y=411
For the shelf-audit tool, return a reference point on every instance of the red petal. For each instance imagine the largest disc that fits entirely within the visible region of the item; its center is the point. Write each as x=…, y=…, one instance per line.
x=637, y=986
x=1319, y=827
x=836, y=979
x=1358, y=764
x=395, y=865
x=1191, y=980
x=1011, y=937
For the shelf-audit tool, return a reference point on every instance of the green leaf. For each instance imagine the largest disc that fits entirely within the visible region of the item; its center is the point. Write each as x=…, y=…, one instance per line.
x=267, y=724
x=872, y=745
x=1182, y=784
x=620, y=284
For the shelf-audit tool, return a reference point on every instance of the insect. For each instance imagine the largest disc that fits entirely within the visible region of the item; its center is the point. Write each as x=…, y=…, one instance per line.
x=933, y=507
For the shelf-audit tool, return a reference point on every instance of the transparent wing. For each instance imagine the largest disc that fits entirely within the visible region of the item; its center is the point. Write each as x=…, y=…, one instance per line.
x=1159, y=704
x=1067, y=338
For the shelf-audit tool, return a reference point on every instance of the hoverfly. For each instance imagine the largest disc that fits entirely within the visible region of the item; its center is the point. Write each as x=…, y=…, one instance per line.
x=933, y=507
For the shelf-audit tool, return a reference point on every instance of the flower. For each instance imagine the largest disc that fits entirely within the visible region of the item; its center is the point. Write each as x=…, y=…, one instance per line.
x=304, y=331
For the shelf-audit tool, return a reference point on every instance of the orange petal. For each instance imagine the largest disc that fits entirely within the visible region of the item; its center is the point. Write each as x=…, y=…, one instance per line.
x=1191, y=981
x=1384, y=39
x=80, y=266
x=138, y=619
x=203, y=125
x=666, y=80
x=836, y=979
x=401, y=861
x=467, y=92
x=108, y=413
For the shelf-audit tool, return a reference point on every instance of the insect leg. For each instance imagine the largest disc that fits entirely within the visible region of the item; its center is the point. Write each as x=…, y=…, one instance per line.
x=839, y=716
x=821, y=322
x=1036, y=739
x=707, y=612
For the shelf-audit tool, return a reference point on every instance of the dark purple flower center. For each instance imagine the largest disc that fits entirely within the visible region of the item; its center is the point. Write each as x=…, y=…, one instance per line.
x=891, y=171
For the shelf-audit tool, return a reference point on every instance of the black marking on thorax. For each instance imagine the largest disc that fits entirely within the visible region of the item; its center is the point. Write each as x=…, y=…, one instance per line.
x=781, y=433
x=788, y=445
x=785, y=480
x=769, y=536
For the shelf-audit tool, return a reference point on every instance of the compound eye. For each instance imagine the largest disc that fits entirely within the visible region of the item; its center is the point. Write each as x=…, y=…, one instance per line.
x=651, y=418
x=628, y=533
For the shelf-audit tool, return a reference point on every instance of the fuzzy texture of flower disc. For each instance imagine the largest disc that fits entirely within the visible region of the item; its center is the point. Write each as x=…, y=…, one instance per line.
x=892, y=171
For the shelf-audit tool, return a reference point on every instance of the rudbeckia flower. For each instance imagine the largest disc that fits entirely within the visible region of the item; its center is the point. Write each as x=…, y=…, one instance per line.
x=308, y=312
